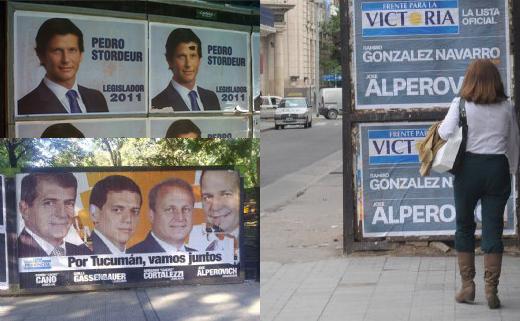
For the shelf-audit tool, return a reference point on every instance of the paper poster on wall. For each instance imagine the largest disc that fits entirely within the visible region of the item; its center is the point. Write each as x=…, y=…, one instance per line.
x=84, y=128
x=255, y=56
x=396, y=199
x=199, y=127
x=413, y=54
x=198, y=69
x=4, y=267
x=79, y=64
x=117, y=227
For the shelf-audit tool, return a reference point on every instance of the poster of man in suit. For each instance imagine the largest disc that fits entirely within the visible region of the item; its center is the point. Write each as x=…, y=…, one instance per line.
x=118, y=226
x=67, y=64
x=204, y=127
x=80, y=128
x=198, y=69
x=4, y=284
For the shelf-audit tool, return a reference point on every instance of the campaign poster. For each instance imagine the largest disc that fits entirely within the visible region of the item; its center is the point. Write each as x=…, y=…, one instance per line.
x=82, y=128
x=4, y=282
x=256, y=125
x=124, y=227
x=199, y=127
x=396, y=199
x=255, y=56
x=78, y=64
x=414, y=54
x=198, y=69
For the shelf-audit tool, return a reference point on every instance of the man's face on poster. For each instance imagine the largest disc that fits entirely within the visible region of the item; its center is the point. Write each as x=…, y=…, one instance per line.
x=188, y=135
x=172, y=218
x=51, y=213
x=62, y=58
x=185, y=63
x=221, y=199
x=118, y=217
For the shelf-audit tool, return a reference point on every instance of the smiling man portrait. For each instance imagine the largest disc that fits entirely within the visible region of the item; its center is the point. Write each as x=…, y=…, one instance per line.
x=171, y=205
x=59, y=47
x=115, y=203
x=183, y=55
x=47, y=203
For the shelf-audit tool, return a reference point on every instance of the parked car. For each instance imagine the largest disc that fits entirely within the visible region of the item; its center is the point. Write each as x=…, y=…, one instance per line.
x=268, y=106
x=293, y=111
x=330, y=103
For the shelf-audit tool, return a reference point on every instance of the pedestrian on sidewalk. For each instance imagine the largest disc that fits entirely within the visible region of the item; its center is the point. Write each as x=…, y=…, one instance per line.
x=491, y=155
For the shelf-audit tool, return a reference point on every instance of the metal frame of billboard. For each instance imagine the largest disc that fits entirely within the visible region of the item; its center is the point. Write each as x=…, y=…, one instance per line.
x=11, y=227
x=352, y=238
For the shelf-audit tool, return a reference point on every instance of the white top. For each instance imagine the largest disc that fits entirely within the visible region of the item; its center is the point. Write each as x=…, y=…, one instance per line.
x=46, y=246
x=167, y=246
x=113, y=249
x=184, y=92
x=492, y=129
x=60, y=92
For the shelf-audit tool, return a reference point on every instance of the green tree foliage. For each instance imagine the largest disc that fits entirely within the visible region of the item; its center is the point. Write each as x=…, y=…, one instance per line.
x=15, y=153
x=330, y=47
x=242, y=154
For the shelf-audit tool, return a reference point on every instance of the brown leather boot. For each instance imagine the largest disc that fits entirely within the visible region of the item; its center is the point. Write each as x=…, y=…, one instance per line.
x=492, y=268
x=466, y=294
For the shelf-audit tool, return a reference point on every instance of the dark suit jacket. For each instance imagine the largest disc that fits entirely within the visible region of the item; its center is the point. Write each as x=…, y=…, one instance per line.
x=27, y=247
x=170, y=97
x=43, y=101
x=150, y=245
x=98, y=246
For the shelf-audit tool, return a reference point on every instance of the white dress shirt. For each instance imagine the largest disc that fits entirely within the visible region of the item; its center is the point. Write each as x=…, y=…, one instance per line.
x=167, y=246
x=61, y=93
x=46, y=246
x=492, y=129
x=184, y=92
x=113, y=249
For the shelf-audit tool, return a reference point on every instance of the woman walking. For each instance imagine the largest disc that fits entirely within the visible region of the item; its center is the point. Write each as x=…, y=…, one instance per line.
x=492, y=151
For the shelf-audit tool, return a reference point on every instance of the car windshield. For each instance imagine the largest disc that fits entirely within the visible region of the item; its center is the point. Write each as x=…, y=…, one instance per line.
x=293, y=103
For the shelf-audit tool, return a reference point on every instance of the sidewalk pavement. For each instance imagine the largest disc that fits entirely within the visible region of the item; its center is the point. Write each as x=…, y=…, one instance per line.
x=305, y=276
x=381, y=288
x=176, y=303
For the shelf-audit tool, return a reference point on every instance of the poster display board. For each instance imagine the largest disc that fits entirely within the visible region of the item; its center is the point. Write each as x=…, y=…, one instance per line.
x=218, y=71
x=413, y=54
x=255, y=56
x=394, y=199
x=124, y=227
x=103, y=59
x=119, y=127
x=4, y=267
x=199, y=127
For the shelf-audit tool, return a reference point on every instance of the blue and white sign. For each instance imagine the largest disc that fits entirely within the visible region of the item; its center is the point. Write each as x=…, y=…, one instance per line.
x=399, y=18
x=414, y=54
x=393, y=199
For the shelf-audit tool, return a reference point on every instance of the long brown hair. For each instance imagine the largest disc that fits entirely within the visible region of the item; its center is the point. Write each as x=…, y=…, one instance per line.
x=482, y=83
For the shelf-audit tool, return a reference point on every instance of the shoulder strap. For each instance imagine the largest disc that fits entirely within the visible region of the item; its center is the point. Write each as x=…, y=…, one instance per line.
x=462, y=112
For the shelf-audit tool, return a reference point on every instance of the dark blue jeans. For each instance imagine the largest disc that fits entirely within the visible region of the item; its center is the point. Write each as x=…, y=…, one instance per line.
x=484, y=177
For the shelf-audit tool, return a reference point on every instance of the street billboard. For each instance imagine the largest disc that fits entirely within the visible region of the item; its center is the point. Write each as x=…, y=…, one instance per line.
x=105, y=63
x=199, y=127
x=128, y=226
x=219, y=69
x=413, y=54
x=394, y=199
x=255, y=56
x=81, y=128
x=4, y=266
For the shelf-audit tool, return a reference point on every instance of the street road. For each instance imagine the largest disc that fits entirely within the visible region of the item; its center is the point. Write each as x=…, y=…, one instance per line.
x=288, y=150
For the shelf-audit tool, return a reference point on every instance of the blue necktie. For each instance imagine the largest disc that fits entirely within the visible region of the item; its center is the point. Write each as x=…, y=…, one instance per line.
x=193, y=100
x=72, y=95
